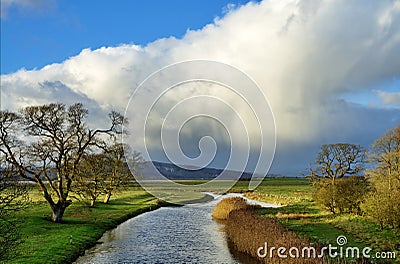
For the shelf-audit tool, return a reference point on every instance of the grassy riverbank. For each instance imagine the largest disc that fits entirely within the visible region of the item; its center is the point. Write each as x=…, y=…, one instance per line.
x=299, y=213
x=46, y=242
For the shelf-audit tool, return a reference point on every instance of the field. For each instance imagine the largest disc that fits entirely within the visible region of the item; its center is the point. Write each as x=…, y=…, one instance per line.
x=48, y=241
x=44, y=240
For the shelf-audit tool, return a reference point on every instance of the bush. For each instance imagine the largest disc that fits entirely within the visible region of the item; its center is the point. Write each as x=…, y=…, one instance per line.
x=342, y=195
x=227, y=205
x=383, y=202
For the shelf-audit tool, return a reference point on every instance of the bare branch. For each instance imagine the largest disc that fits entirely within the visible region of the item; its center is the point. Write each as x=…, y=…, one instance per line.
x=336, y=161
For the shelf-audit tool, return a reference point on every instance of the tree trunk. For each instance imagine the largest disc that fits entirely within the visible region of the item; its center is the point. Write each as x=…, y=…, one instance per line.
x=93, y=202
x=58, y=210
x=107, y=198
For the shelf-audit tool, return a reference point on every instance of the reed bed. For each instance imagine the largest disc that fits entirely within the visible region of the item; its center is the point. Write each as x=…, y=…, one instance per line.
x=248, y=231
x=224, y=207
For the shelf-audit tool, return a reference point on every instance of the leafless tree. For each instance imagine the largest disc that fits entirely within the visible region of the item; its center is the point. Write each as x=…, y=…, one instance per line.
x=46, y=144
x=385, y=153
x=106, y=172
x=90, y=177
x=335, y=161
x=13, y=196
x=124, y=162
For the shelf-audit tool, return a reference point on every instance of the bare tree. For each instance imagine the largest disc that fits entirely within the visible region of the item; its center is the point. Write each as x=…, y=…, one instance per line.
x=46, y=143
x=90, y=178
x=106, y=172
x=335, y=161
x=123, y=162
x=13, y=196
x=385, y=153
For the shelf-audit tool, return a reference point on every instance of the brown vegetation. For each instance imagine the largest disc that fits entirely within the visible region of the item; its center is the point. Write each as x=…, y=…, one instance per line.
x=249, y=232
x=227, y=205
x=293, y=216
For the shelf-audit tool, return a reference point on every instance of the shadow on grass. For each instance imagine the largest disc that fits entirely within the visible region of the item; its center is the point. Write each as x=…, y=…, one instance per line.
x=74, y=221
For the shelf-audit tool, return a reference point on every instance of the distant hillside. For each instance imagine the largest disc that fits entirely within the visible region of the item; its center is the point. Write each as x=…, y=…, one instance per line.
x=173, y=172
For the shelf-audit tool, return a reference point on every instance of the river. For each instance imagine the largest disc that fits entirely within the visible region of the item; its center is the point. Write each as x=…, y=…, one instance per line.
x=185, y=234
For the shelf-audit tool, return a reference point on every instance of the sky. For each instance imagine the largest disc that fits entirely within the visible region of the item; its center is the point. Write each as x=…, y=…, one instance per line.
x=329, y=70
x=35, y=33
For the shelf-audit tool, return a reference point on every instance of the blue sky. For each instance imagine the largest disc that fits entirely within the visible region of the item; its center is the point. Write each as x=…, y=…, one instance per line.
x=330, y=69
x=34, y=35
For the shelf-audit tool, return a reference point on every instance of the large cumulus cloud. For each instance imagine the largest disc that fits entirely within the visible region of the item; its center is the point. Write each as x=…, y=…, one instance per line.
x=305, y=55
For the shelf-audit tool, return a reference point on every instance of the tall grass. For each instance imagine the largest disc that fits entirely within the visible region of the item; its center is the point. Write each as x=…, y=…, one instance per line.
x=227, y=205
x=248, y=232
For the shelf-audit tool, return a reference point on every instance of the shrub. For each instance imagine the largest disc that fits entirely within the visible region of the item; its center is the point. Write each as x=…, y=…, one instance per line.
x=382, y=204
x=227, y=205
x=342, y=195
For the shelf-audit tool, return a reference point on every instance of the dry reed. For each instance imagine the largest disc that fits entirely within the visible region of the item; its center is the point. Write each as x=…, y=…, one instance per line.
x=227, y=205
x=249, y=232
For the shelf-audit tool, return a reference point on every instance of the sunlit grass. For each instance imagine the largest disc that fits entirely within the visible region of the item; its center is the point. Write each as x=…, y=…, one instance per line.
x=300, y=214
x=47, y=242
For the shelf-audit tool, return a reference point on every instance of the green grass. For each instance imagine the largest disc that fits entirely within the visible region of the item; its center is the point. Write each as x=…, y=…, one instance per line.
x=280, y=191
x=47, y=242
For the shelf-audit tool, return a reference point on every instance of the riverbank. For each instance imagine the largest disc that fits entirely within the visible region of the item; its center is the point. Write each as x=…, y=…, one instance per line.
x=50, y=242
x=47, y=242
x=300, y=214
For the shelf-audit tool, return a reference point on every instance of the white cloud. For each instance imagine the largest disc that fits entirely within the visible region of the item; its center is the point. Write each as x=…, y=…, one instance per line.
x=390, y=98
x=303, y=54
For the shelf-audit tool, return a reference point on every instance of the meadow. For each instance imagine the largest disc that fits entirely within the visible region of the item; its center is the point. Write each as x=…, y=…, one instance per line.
x=49, y=242
x=44, y=240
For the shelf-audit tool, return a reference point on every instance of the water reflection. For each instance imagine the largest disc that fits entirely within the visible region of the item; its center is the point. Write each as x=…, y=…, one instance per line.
x=240, y=256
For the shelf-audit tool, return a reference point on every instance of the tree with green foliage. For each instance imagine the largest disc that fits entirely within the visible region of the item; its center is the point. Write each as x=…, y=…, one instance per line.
x=383, y=203
x=46, y=143
x=345, y=196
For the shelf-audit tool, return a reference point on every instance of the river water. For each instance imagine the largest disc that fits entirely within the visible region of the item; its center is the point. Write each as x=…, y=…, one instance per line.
x=185, y=234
